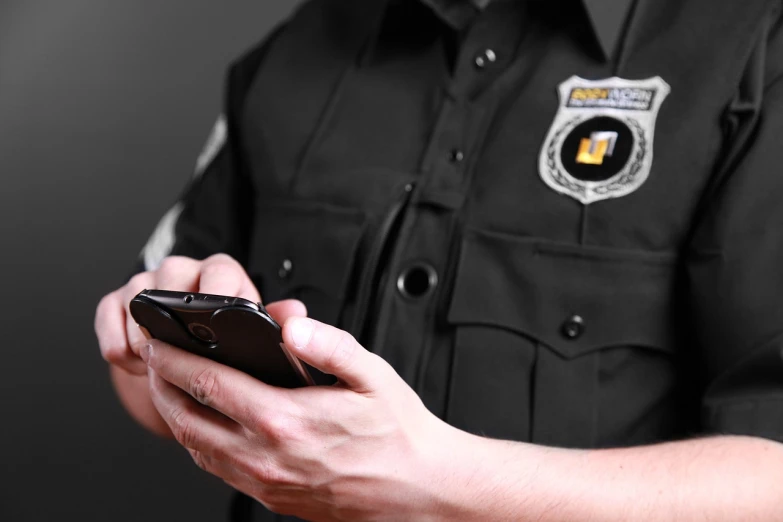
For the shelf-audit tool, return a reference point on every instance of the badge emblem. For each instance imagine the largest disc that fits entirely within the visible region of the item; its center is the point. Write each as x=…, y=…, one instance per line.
x=600, y=145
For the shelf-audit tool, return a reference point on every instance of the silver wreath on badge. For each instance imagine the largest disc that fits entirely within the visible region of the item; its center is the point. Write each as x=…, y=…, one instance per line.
x=622, y=183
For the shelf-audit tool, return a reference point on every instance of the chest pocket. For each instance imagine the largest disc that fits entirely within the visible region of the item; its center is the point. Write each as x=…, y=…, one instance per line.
x=559, y=344
x=307, y=251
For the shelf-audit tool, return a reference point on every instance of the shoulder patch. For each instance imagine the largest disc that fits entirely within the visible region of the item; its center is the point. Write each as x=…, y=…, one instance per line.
x=215, y=143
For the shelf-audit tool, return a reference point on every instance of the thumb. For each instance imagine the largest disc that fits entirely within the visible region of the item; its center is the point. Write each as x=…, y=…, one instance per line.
x=333, y=351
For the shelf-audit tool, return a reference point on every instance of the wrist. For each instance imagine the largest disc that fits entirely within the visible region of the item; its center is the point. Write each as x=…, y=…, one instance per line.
x=488, y=479
x=464, y=473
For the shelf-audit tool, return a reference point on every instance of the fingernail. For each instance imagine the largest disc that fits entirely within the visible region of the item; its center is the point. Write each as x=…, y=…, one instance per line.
x=144, y=352
x=302, y=331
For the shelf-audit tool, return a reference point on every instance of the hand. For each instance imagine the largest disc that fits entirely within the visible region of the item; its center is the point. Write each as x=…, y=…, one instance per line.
x=118, y=335
x=366, y=448
x=120, y=339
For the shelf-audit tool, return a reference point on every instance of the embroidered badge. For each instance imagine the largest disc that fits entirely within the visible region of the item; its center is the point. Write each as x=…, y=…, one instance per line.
x=600, y=145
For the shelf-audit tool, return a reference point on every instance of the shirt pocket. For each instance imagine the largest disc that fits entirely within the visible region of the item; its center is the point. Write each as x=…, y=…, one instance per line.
x=560, y=344
x=307, y=251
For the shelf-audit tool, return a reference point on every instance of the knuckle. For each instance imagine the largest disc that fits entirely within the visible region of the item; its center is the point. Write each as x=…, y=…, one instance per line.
x=277, y=426
x=169, y=264
x=182, y=428
x=109, y=309
x=138, y=282
x=342, y=351
x=270, y=502
x=199, y=459
x=268, y=474
x=104, y=308
x=220, y=264
x=204, y=386
x=115, y=353
x=221, y=259
x=134, y=349
x=210, y=270
x=110, y=331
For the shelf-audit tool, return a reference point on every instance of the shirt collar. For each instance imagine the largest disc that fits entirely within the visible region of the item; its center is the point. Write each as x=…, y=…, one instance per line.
x=456, y=13
x=606, y=17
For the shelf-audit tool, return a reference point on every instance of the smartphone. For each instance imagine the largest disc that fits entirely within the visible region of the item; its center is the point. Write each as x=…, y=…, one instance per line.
x=229, y=330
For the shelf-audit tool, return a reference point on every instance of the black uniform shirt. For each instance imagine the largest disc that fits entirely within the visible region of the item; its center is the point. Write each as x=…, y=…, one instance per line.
x=560, y=222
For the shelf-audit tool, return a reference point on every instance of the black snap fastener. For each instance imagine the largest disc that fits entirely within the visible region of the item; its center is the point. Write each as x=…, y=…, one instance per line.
x=284, y=272
x=456, y=156
x=486, y=57
x=417, y=280
x=573, y=327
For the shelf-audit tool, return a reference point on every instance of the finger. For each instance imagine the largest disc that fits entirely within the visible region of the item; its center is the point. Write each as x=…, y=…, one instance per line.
x=194, y=426
x=281, y=495
x=135, y=337
x=334, y=351
x=282, y=310
x=222, y=275
x=240, y=481
x=230, y=474
x=110, y=328
x=231, y=392
x=178, y=273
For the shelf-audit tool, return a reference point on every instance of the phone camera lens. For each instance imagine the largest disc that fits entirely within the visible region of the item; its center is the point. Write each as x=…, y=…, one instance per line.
x=203, y=332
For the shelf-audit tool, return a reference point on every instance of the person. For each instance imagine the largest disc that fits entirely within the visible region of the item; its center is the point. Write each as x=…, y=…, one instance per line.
x=537, y=243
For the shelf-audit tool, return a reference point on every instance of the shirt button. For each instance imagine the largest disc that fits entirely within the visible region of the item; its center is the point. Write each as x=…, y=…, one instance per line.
x=456, y=156
x=486, y=57
x=573, y=327
x=284, y=272
x=417, y=280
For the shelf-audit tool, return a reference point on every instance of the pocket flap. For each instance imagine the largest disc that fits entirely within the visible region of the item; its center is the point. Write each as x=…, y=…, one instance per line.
x=536, y=288
x=306, y=250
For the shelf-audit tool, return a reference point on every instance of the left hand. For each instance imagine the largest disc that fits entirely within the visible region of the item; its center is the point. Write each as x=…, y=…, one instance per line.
x=366, y=448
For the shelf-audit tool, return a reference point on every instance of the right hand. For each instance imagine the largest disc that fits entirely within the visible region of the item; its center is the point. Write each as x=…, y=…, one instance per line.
x=119, y=337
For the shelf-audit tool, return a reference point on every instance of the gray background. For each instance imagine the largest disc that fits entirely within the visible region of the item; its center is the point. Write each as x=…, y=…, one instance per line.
x=104, y=107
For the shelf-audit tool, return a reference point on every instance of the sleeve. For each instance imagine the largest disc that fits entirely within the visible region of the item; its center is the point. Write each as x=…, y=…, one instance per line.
x=215, y=211
x=735, y=266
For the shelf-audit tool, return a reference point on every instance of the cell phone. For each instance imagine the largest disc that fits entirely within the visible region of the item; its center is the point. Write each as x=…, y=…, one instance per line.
x=229, y=330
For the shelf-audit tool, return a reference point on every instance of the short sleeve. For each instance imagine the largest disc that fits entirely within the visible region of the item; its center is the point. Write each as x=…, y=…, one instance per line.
x=735, y=266
x=215, y=210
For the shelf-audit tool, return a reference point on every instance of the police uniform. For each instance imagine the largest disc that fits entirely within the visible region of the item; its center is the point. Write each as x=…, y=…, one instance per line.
x=560, y=222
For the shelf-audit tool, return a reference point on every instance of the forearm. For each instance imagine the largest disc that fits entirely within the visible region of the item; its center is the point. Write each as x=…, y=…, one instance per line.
x=716, y=479
x=133, y=391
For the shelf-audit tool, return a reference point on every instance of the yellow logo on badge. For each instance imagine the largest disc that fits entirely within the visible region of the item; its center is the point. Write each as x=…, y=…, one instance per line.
x=594, y=149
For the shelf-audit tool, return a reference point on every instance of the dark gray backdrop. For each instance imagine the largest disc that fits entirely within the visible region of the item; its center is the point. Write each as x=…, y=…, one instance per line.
x=104, y=107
